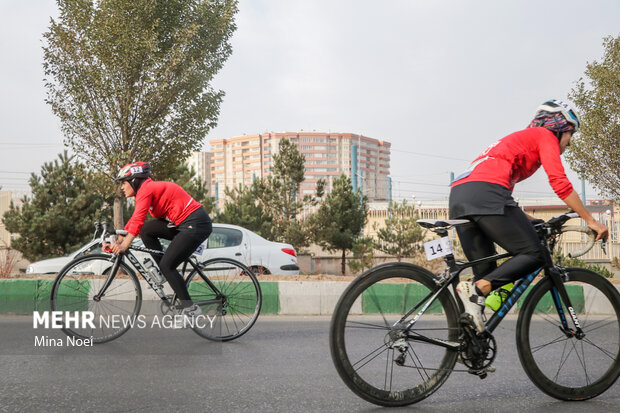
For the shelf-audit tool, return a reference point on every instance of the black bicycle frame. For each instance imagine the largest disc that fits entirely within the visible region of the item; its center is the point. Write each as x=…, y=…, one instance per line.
x=558, y=290
x=145, y=274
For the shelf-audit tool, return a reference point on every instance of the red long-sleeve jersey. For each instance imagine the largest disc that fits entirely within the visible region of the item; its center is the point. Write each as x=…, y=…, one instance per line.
x=163, y=200
x=516, y=157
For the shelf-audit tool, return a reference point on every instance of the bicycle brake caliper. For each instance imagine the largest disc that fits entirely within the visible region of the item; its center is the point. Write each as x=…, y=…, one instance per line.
x=442, y=277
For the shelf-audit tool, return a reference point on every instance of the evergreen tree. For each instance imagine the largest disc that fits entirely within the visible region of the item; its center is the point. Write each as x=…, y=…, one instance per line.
x=284, y=202
x=341, y=218
x=185, y=176
x=59, y=217
x=272, y=207
x=245, y=206
x=130, y=79
x=401, y=235
x=363, y=254
x=287, y=174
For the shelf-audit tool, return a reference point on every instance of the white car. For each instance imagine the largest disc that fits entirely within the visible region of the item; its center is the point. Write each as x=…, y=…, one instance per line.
x=229, y=241
x=54, y=265
x=261, y=255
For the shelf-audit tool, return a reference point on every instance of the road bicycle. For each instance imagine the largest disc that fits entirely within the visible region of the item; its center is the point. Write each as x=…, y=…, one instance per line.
x=399, y=330
x=107, y=286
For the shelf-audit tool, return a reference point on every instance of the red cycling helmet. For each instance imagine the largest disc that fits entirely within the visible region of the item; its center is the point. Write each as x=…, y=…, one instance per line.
x=134, y=170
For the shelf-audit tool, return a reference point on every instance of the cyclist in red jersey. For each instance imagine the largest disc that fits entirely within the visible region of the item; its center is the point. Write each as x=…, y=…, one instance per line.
x=483, y=194
x=179, y=218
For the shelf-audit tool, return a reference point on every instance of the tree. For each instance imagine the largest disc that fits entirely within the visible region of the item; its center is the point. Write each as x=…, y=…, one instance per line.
x=59, y=217
x=272, y=206
x=284, y=202
x=401, y=235
x=287, y=174
x=341, y=218
x=362, y=254
x=130, y=79
x=594, y=151
x=185, y=176
x=244, y=207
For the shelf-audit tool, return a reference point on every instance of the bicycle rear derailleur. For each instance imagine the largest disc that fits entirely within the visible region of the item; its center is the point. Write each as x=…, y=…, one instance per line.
x=478, y=350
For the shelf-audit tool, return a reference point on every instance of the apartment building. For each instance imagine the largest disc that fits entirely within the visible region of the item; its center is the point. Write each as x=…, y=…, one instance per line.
x=201, y=162
x=238, y=160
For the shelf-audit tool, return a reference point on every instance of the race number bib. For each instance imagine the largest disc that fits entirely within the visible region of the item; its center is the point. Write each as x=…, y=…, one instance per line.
x=437, y=248
x=200, y=249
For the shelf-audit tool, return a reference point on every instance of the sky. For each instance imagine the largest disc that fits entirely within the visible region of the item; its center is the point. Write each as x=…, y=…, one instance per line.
x=440, y=80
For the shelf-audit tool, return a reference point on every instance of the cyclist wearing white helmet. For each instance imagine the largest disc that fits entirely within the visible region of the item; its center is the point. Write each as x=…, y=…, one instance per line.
x=179, y=218
x=483, y=194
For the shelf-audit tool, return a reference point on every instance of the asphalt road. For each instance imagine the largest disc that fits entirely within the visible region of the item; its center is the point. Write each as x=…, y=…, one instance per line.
x=282, y=365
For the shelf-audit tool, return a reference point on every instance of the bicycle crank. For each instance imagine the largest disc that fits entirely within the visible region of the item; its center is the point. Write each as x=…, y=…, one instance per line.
x=478, y=350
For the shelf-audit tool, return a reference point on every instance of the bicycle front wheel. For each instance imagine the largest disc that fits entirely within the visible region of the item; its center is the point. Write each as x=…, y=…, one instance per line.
x=229, y=297
x=78, y=288
x=559, y=363
x=374, y=352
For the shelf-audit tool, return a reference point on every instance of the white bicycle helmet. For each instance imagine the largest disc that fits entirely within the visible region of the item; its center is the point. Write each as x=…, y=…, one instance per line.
x=551, y=108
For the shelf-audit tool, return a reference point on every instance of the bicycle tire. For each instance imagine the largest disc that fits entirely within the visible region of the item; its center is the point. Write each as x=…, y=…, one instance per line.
x=363, y=314
x=80, y=280
x=567, y=368
x=238, y=310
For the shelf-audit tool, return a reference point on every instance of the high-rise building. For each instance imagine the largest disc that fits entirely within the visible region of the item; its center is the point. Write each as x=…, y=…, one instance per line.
x=238, y=160
x=201, y=162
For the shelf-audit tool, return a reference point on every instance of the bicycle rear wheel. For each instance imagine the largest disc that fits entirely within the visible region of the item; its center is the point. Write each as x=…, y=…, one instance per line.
x=564, y=366
x=233, y=308
x=75, y=290
x=374, y=355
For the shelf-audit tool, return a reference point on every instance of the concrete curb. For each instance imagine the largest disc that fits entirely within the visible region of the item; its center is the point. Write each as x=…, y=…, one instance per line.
x=23, y=296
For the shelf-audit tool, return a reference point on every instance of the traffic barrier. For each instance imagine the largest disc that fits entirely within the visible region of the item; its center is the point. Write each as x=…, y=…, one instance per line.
x=23, y=296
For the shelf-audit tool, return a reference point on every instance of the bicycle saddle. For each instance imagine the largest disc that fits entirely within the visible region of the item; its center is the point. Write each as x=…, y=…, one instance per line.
x=441, y=223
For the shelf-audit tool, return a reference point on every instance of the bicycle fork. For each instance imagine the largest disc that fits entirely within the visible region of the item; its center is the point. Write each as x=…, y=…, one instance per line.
x=559, y=295
x=117, y=263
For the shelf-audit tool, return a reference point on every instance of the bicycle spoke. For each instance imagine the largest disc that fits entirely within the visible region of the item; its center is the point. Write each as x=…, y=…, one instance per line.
x=559, y=339
x=550, y=319
x=602, y=350
x=239, y=292
x=375, y=356
x=571, y=366
x=389, y=364
x=376, y=302
x=415, y=357
x=75, y=289
x=366, y=326
x=589, y=328
x=372, y=356
x=580, y=358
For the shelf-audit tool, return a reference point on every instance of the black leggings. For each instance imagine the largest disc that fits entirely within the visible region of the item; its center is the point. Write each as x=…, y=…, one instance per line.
x=185, y=239
x=513, y=232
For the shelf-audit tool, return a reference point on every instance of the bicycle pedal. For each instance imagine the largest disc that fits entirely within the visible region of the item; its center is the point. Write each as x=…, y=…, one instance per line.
x=482, y=373
x=467, y=320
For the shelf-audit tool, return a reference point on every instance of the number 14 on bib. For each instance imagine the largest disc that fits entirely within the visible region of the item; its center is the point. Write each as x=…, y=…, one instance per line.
x=437, y=248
